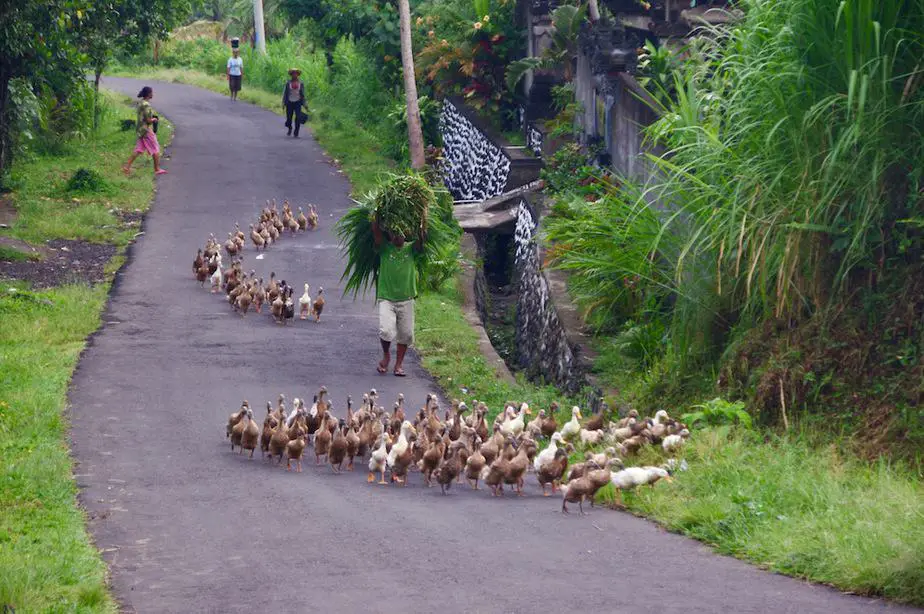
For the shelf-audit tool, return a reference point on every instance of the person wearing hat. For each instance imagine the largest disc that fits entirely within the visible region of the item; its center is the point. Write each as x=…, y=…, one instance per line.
x=293, y=97
x=235, y=72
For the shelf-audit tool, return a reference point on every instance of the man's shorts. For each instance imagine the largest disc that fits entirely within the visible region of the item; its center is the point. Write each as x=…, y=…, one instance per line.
x=396, y=321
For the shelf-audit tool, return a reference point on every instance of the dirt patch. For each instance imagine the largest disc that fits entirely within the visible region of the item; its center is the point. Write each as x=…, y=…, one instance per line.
x=63, y=262
x=7, y=212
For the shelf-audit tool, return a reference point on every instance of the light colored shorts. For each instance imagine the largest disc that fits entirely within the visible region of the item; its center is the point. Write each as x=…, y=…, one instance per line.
x=396, y=321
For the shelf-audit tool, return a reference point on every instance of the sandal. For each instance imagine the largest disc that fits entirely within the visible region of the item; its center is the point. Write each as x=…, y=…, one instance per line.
x=382, y=368
x=160, y=172
x=400, y=373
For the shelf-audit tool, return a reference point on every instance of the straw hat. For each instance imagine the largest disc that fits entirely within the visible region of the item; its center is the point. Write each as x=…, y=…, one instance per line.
x=295, y=71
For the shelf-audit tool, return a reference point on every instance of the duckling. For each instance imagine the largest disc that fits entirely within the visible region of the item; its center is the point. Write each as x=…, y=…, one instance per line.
x=552, y=471
x=318, y=305
x=258, y=240
x=302, y=220
x=236, y=417
x=304, y=304
x=295, y=448
x=322, y=438
x=378, y=458
x=573, y=426
x=250, y=433
x=673, y=443
x=451, y=467
x=591, y=437
x=338, y=449
x=474, y=464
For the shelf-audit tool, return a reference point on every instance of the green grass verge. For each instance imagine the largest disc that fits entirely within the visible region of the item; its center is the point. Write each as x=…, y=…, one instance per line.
x=47, y=562
x=796, y=508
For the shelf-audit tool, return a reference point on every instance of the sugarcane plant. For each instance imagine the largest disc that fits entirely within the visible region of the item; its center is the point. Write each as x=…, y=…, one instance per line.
x=402, y=205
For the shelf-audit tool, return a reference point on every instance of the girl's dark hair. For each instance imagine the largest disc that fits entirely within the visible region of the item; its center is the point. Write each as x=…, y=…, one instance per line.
x=145, y=92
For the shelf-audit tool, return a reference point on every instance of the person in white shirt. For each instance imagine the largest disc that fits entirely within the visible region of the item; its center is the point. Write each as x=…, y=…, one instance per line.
x=235, y=72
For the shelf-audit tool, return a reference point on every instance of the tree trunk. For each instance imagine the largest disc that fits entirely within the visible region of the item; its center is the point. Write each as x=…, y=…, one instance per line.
x=156, y=51
x=97, y=73
x=6, y=134
x=259, y=30
x=415, y=134
x=593, y=10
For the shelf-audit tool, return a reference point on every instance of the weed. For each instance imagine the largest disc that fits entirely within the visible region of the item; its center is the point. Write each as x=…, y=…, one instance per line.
x=86, y=180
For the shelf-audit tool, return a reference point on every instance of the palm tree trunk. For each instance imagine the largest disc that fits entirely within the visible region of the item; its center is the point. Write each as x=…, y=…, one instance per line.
x=415, y=134
x=593, y=11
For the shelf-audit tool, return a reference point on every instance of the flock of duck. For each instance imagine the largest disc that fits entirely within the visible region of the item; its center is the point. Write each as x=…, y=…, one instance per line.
x=246, y=290
x=460, y=445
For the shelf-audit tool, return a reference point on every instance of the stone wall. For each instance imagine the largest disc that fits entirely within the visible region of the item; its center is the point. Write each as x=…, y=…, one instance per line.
x=474, y=167
x=543, y=350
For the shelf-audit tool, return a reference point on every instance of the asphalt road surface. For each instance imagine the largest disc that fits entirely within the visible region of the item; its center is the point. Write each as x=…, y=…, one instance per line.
x=187, y=526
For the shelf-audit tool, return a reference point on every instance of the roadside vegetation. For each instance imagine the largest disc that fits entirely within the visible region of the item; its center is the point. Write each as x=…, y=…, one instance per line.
x=71, y=189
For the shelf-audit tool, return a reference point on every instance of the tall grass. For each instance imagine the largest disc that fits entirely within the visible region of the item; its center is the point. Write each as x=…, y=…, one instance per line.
x=795, y=159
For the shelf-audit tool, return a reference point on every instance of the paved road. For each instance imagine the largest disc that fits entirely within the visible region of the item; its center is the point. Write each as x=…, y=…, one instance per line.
x=188, y=527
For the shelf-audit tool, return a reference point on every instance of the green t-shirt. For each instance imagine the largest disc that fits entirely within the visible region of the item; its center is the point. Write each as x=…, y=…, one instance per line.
x=145, y=112
x=397, y=273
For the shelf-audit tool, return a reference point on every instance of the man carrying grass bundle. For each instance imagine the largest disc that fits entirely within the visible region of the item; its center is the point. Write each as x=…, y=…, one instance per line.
x=396, y=289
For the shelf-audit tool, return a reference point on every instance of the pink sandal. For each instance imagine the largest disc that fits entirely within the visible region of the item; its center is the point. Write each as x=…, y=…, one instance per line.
x=160, y=172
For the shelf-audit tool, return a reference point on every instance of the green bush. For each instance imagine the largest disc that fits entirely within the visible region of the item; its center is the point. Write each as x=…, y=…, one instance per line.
x=86, y=180
x=718, y=412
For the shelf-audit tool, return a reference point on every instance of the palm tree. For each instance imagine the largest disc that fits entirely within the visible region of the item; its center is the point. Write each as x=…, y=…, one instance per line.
x=566, y=20
x=415, y=134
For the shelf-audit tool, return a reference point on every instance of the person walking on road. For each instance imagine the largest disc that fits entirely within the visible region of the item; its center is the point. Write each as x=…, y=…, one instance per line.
x=235, y=72
x=396, y=290
x=147, y=139
x=293, y=97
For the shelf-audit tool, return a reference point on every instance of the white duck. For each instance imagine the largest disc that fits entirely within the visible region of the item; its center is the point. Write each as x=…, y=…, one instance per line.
x=633, y=477
x=515, y=426
x=672, y=443
x=573, y=426
x=548, y=454
x=661, y=417
x=378, y=458
x=591, y=437
x=400, y=446
x=217, y=275
x=304, y=304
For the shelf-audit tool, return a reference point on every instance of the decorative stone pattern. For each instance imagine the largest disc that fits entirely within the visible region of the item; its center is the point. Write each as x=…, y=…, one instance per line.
x=534, y=140
x=543, y=351
x=474, y=168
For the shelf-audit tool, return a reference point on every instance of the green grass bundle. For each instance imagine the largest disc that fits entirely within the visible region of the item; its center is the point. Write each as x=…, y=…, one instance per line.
x=400, y=204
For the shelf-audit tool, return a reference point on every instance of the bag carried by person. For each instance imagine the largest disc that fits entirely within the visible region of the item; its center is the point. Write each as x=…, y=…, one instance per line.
x=302, y=117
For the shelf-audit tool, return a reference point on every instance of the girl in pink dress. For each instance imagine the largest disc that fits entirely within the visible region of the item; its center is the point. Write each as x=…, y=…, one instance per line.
x=147, y=140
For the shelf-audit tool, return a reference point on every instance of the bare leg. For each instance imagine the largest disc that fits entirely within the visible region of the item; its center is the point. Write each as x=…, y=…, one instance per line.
x=386, y=355
x=399, y=358
x=131, y=159
x=156, y=162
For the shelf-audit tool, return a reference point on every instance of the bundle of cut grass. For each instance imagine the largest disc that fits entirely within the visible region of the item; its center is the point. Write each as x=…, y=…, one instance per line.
x=401, y=205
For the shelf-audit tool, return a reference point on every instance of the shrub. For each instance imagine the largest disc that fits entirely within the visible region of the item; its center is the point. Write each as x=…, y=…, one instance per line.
x=86, y=180
x=718, y=412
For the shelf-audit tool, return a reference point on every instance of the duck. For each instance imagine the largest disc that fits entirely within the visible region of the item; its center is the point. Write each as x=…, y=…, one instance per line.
x=491, y=448
x=602, y=458
x=517, y=467
x=304, y=303
x=322, y=437
x=493, y=474
x=573, y=426
x=548, y=453
x=231, y=246
x=403, y=443
x=552, y=471
x=534, y=426
x=673, y=443
x=353, y=441
x=269, y=427
x=378, y=458
x=236, y=417
x=583, y=488
x=250, y=434
x=312, y=217
x=623, y=422
x=661, y=417
x=338, y=450
x=244, y=299
x=633, y=477
x=259, y=242
x=595, y=422
x=237, y=433
x=621, y=433
x=288, y=312
x=279, y=440
x=198, y=262
x=277, y=308
x=451, y=467
x=591, y=437
x=513, y=428
x=318, y=305
x=202, y=274
x=302, y=220
x=548, y=426
x=295, y=448
x=431, y=460
x=216, y=279
x=474, y=464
